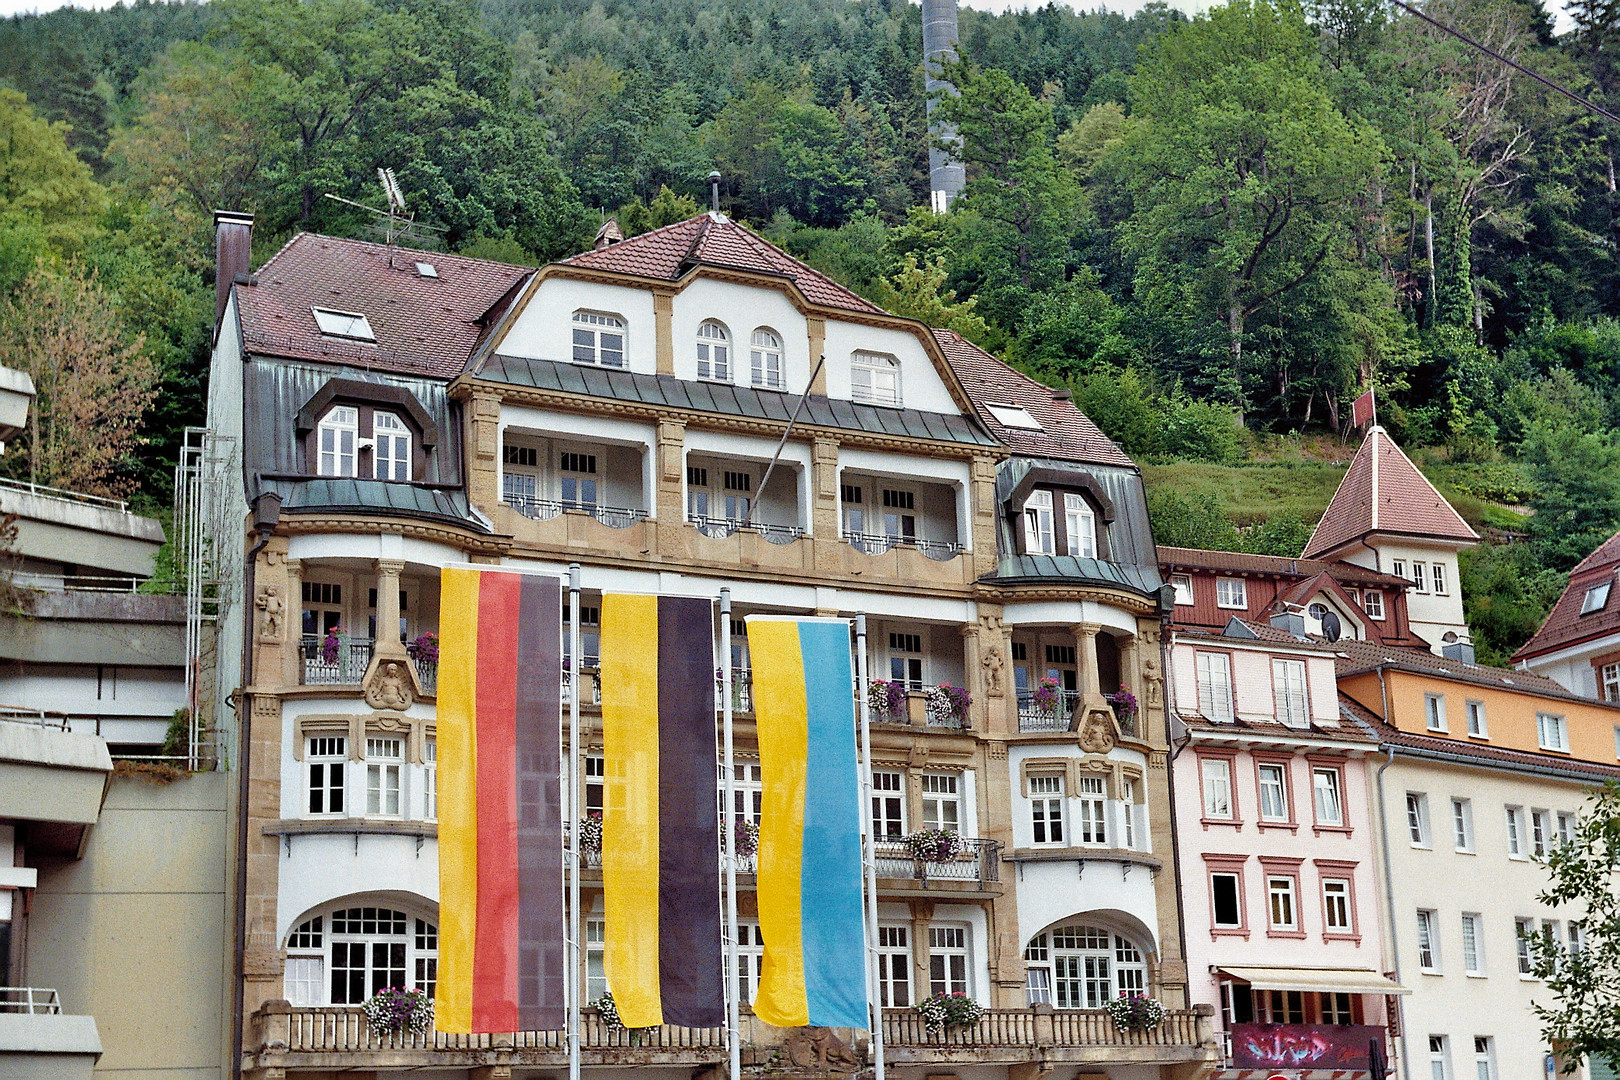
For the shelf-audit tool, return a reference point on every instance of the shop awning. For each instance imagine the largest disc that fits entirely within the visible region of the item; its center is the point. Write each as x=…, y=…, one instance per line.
x=1316, y=980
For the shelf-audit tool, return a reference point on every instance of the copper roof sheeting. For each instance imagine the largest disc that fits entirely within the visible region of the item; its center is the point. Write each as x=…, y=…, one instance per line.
x=1066, y=433
x=1383, y=492
x=1564, y=624
x=715, y=240
x=423, y=325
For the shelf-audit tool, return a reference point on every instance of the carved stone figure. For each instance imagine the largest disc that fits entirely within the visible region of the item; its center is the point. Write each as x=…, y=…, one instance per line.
x=992, y=664
x=270, y=603
x=1152, y=684
x=1097, y=737
x=391, y=688
x=818, y=1048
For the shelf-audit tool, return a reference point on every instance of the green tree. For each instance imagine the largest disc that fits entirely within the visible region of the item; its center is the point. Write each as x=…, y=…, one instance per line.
x=1242, y=169
x=1576, y=475
x=1193, y=520
x=1584, y=1020
x=919, y=291
x=49, y=203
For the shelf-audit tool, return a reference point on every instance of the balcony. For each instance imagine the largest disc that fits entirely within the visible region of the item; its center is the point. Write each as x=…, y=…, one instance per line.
x=329, y=661
x=979, y=862
x=336, y=1039
x=917, y=707
x=879, y=543
x=535, y=509
x=37, y=1040
x=1042, y=713
x=720, y=528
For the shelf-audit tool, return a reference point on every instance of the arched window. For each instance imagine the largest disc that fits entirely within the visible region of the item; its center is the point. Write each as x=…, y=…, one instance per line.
x=1083, y=967
x=338, y=431
x=713, y=352
x=874, y=378
x=598, y=339
x=345, y=955
x=765, y=359
x=392, y=455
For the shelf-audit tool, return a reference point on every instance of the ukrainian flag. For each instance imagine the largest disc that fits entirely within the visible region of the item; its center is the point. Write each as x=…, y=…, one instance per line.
x=809, y=882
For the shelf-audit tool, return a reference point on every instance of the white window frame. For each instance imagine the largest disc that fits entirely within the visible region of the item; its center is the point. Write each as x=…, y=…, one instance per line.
x=765, y=359
x=1609, y=677
x=1478, y=722
x=1541, y=833
x=894, y=965
x=874, y=378
x=1428, y=941
x=596, y=984
x=1289, y=691
x=338, y=455
x=1214, y=674
x=1484, y=1057
x=315, y=943
x=713, y=351
x=888, y=804
x=1397, y=567
x=1552, y=732
x=1462, y=825
x=1275, y=793
x=1338, y=909
x=1372, y=602
x=598, y=338
x=1523, y=931
x=1473, y=944
x=1515, y=832
x=1232, y=593
x=1597, y=597
x=1183, y=586
x=351, y=325
x=1012, y=416
x=1417, y=819
x=1439, y=1057
x=1437, y=578
x=942, y=801
x=1282, y=902
x=430, y=778
x=385, y=775
x=1434, y=712
x=1420, y=577
x=750, y=959
x=391, y=447
x=329, y=754
x=1040, y=531
x=1091, y=811
x=1566, y=827
x=1333, y=787
x=1046, y=798
x=1079, y=525
x=950, y=959
x=1215, y=779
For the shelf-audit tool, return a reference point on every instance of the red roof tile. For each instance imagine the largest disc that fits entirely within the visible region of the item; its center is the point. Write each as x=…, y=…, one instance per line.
x=715, y=240
x=1384, y=492
x=423, y=326
x=1357, y=657
x=1273, y=565
x=1564, y=624
x=1066, y=433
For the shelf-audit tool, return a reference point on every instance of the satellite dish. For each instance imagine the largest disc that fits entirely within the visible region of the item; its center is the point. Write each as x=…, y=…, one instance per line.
x=1330, y=626
x=1449, y=637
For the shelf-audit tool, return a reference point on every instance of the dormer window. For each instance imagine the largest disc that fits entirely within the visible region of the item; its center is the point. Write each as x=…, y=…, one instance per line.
x=1059, y=523
x=713, y=352
x=874, y=379
x=1039, y=536
x=391, y=456
x=598, y=339
x=338, y=433
x=343, y=324
x=1079, y=525
x=765, y=359
x=1597, y=597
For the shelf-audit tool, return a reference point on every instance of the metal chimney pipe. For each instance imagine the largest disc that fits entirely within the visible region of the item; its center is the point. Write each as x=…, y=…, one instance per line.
x=714, y=191
x=946, y=178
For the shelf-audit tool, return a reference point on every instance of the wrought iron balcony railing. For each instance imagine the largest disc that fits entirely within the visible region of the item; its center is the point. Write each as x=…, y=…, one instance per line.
x=614, y=517
x=340, y=660
x=878, y=543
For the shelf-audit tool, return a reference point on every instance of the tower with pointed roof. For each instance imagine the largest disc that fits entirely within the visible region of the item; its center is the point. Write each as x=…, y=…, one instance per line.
x=1386, y=516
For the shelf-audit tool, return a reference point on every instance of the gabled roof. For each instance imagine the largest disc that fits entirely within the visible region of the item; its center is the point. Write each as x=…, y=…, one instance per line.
x=423, y=325
x=1241, y=562
x=1359, y=657
x=1066, y=433
x=1385, y=493
x=715, y=240
x=1564, y=624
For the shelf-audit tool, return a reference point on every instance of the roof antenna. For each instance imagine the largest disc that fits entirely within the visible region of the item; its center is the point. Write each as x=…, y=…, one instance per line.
x=399, y=221
x=714, y=191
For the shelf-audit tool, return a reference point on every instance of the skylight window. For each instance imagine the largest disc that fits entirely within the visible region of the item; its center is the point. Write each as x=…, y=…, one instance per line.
x=343, y=324
x=1013, y=416
x=1596, y=597
x=427, y=270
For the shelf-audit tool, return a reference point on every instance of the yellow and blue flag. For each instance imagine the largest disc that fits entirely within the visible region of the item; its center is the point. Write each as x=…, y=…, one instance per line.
x=809, y=882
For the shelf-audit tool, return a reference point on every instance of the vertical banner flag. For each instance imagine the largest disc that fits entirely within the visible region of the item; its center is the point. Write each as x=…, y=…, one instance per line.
x=660, y=833
x=809, y=883
x=501, y=917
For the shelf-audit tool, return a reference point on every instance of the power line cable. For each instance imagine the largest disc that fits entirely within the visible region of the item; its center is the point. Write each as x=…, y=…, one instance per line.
x=1543, y=80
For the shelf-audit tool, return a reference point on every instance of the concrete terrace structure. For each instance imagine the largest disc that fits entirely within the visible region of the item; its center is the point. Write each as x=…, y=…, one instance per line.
x=402, y=411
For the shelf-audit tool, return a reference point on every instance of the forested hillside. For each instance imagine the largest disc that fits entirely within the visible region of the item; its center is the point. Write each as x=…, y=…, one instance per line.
x=1217, y=231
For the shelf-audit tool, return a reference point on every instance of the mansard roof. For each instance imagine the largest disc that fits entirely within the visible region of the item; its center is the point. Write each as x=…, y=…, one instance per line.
x=715, y=240
x=1385, y=493
x=423, y=325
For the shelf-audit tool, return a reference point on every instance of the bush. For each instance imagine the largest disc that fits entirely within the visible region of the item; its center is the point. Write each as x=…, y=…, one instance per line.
x=1201, y=431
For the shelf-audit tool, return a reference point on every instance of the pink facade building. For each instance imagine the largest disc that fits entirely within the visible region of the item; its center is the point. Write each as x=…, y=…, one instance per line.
x=1275, y=840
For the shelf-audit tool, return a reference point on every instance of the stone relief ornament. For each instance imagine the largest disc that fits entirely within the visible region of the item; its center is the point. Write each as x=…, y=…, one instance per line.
x=271, y=605
x=992, y=664
x=1097, y=736
x=818, y=1048
x=1153, y=685
x=390, y=688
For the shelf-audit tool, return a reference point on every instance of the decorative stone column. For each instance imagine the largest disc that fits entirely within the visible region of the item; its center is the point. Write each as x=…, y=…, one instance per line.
x=483, y=472
x=664, y=331
x=922, y=913
x=982, y=513
x=824, y=524
x=388, y=643
x=973, y=679
x=669, y=474
x=293, y=654
x=816, y=332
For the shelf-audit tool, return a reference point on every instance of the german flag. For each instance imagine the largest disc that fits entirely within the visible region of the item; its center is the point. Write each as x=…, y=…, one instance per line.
x=501, y=913
x=660, y=832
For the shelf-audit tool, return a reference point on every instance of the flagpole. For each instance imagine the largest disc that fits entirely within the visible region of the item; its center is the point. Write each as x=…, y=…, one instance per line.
x=869, y=850
x=577, y=678
x=730, y=820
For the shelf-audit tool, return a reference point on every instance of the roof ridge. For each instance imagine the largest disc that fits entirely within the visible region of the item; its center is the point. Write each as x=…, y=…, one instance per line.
x=1372, y=435
x=372, y=245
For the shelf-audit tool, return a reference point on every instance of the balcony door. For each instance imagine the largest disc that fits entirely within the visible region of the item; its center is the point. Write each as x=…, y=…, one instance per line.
x=1084, y=966
x=344, y=956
